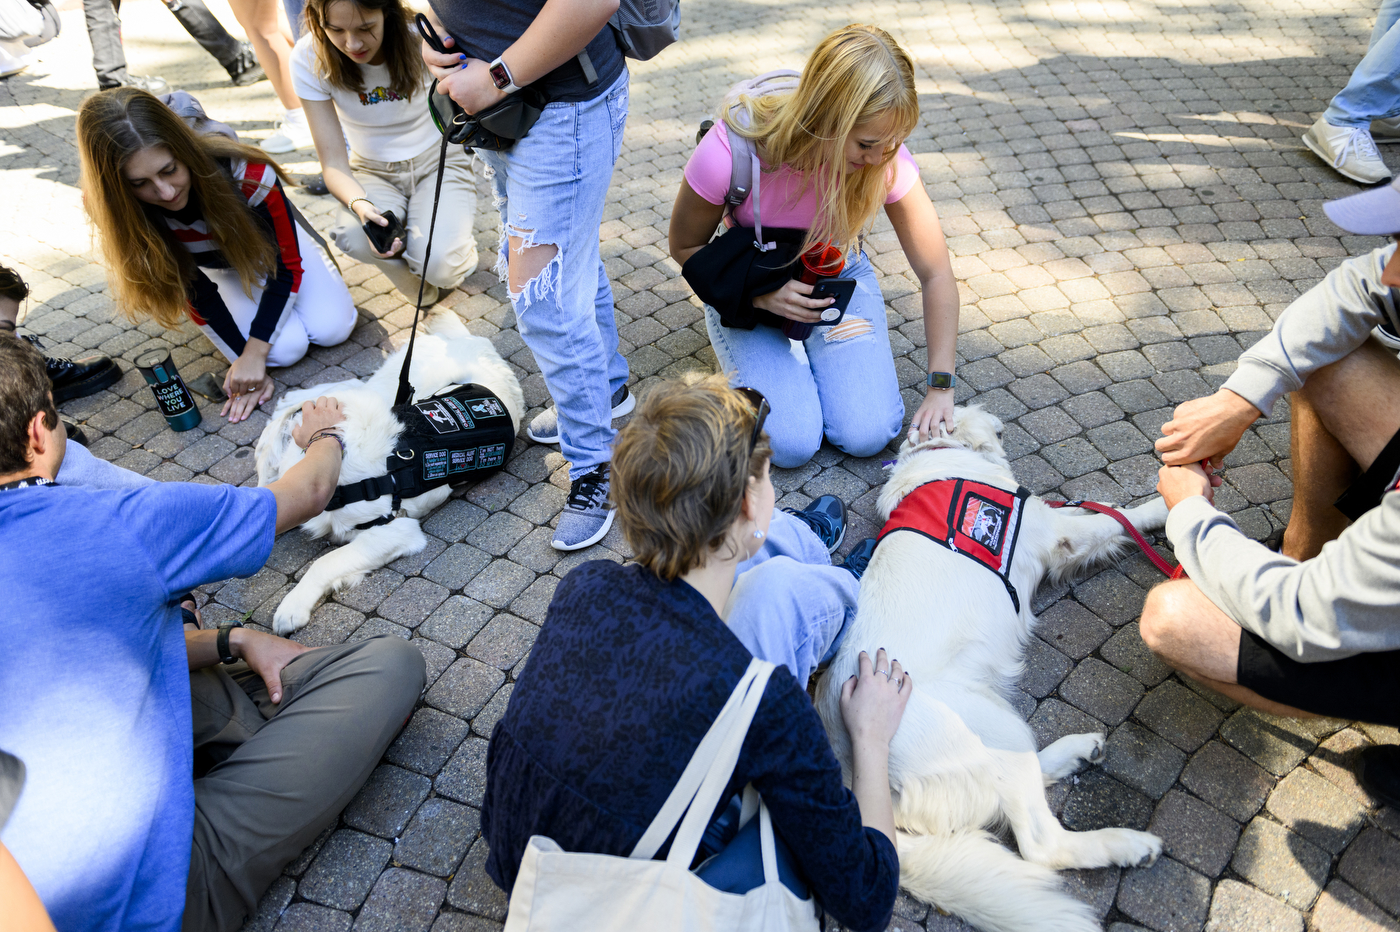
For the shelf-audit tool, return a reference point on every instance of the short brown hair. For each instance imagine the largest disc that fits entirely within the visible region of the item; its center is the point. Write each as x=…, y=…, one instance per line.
x=680, y=469
x=25, y=391
x=11, y=285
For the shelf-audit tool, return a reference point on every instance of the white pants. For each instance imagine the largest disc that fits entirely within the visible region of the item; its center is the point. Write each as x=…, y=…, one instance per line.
x=321, y=312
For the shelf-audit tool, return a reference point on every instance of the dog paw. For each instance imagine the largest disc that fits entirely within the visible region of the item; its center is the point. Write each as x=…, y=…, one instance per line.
x=1150, y=516
x=1137, y=849
x=289, y=618
x=1099, y=749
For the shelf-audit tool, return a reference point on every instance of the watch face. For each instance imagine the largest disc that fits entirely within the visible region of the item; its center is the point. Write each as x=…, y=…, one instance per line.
x=499, y=75
x=940, y=380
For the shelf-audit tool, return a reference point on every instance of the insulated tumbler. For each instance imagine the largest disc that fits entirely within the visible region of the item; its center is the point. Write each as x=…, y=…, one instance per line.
x=821, y=261
x=172, y=397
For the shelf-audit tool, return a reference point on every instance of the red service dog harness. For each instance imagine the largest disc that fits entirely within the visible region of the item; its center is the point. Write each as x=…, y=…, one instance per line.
x=977, y=520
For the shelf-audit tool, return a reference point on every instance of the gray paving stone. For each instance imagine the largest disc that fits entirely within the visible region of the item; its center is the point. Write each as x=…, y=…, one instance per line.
x=308, y=917
x=438, y=837
x=387, y=801
x=503, y=641
x=1095, y=887
x=1142, y=760
x=456, y=566
x=1371, y=865
x=1126, y=651
x=454, y=520
x=456, y=621
x=401, y=901
x=1072, y=629
x=1054, y=719
x=436, y=658
x=465, y=688
x=1177, y=714
x=1281, y=862
x=461, y=922
x=464, y=776
x=1195, y=834
x=485, y=721
x=1342, y=909
x=1261, y=482
x=1074, y=456
x=1102, y=691
x=427, y=741
x=1045, y=668
x=472, y=890
x=1268, y=741
x=1167, y=896
x=1227, y=780
x=1317, y=810
x=1240, y=908
x=499, y=583
x=413, y=602
x=271, y=906
x=1099, y=801
x=499, y=533
x=367, y=594
x=244, y=595
x=330, y=624
x=344, y=871
x=533, y=603
x=1112, y=596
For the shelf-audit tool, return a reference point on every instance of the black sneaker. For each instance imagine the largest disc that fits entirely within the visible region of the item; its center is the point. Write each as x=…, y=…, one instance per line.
x=827, y=518
x=1378, y=770
x=75, y=433
x=859, y=559
x=314, y=184
x=77, y=378
x=246, y=69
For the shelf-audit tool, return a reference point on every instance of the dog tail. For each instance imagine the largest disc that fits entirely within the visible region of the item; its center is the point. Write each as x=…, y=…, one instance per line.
x=971, y=875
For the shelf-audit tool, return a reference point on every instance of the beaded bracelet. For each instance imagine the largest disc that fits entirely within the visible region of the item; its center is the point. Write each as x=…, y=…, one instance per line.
x=326, y=432
x=351, y=205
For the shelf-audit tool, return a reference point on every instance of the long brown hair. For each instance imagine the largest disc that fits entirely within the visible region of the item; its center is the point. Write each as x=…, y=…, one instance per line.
x=399, y=46
x=147, y=268
x=857, y=74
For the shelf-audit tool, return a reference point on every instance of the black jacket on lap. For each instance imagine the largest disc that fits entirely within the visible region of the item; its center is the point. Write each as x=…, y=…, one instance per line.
x=730, y=272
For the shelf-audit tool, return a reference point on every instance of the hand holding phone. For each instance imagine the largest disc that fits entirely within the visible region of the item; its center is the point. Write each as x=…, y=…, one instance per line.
x=842, y=289
x=382, y=237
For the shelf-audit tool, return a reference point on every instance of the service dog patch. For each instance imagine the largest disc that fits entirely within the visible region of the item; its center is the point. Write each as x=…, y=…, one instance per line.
x=984, y=521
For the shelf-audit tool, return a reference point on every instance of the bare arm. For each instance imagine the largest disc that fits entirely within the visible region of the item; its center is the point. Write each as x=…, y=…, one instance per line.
x=693, y=223
x=329, y=137
x=23, y=910
x=559, y=31
x=266, y=654
x=920, y=236
x=304, y=490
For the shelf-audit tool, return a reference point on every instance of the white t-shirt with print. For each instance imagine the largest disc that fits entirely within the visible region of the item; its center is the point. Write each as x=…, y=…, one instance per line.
x=378, y=123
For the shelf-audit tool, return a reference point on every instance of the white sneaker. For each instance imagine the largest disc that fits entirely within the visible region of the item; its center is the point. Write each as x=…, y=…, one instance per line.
x=1348, y=149
x=1384, y=131
x=293, y=133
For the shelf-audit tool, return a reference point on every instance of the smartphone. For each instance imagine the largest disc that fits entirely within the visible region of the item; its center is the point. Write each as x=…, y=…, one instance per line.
x=842, y=289
x=383, y=237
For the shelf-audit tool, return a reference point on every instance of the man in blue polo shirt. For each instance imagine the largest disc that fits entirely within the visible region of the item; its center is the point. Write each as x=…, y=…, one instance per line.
x=106, y=695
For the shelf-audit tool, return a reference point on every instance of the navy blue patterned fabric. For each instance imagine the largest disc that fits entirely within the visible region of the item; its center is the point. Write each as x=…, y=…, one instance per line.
x=622, y=683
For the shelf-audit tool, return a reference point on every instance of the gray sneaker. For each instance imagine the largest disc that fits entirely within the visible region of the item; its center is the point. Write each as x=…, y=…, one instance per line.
x=545, y=427
x=586, y=516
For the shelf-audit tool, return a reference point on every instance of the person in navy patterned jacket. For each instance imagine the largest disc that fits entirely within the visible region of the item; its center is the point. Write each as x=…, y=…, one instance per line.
x=199, y=225
x=635, y=661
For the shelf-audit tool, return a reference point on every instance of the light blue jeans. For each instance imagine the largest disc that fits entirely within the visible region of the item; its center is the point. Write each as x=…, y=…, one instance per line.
x=841, y=384
x=1373, y=92
x=551, y=187
x=789, y=605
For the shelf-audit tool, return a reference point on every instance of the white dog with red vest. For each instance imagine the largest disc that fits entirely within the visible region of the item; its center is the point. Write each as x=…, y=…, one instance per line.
x=963, y=759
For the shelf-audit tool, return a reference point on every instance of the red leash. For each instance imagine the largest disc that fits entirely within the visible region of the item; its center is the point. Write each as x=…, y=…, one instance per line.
x=1167, y=569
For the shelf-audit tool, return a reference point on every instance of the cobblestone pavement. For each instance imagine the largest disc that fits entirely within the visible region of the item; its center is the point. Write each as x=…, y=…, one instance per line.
x=1128, y=205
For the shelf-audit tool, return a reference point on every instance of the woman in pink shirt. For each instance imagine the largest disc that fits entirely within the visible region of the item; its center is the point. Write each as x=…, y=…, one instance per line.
x=830, y=153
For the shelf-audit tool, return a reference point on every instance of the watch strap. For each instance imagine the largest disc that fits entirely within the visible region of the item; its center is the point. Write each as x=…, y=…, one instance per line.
x=510, y=87
x=221, y=641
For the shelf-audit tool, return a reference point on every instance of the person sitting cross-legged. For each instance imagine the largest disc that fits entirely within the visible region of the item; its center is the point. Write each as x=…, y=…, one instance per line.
x=165, y=788
x=1314, y=629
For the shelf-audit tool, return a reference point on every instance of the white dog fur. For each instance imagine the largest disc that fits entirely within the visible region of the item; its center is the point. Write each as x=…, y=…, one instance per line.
x=963, y=760
x=447, y=354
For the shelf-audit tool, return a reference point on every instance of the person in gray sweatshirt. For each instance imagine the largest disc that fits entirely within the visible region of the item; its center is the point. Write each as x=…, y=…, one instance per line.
x=1313, y=629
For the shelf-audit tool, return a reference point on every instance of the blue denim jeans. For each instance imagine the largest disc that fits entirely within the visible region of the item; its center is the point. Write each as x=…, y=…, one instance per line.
x=789, y=605
x=550, y=188
x=840, y=382
x=1373, y=92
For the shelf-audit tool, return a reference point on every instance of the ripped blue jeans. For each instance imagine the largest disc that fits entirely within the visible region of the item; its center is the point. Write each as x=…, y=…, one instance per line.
x=839, y=382
x=551, y=187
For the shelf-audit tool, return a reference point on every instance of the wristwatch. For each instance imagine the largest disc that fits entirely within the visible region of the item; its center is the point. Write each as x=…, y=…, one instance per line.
x=221, y=642
x=941, y=380
x=501, y=76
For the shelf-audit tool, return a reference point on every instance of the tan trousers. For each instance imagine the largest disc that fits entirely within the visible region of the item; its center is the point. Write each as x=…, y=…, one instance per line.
x=406, y=188
x=281, y=774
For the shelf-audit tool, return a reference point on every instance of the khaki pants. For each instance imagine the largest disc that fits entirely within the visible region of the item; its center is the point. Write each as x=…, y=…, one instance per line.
x=281, y=774
x=406, y=188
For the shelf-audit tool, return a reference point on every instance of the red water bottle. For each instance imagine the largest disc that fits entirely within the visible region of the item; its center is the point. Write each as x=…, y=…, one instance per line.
x=821, y=261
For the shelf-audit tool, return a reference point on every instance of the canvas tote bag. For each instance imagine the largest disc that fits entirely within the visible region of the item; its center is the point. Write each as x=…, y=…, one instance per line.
x=557, y=890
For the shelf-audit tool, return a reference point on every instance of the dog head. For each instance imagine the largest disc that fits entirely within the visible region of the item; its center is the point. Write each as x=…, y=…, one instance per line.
x=972, y=451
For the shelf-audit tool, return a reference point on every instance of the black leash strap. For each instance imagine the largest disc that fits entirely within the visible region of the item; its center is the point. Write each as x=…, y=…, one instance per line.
x=405, y=393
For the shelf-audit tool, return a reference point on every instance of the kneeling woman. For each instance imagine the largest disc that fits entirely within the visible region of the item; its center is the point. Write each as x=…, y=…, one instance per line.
x=198, y=225
x=634, y=662
x=830, y=153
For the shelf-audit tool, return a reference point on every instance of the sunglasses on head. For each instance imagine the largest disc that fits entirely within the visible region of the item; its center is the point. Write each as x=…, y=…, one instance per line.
x=761, y=408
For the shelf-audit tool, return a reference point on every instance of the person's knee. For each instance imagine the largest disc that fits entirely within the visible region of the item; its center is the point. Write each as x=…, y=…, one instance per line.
x=397, y=666
x=795, y=444
x=861, y=437
x=532, y=266
x=1163, y=616
x=292, y=344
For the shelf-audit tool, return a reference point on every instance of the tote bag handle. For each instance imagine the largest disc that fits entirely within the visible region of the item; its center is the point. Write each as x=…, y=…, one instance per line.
x=697, y=792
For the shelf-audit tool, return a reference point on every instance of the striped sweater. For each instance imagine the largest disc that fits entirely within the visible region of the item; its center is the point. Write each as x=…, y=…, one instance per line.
x=259, y=185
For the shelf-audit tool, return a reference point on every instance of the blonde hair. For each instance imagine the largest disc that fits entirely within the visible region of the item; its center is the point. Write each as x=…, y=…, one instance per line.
x=680, y=470
x=856, y=75
x=147, y=268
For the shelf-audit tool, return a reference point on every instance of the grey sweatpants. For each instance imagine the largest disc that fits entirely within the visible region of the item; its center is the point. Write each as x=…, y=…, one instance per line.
x=282, y=773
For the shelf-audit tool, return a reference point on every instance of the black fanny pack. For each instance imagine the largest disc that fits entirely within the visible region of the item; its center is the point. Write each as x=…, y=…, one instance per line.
x=496, y=128
x=460, y=435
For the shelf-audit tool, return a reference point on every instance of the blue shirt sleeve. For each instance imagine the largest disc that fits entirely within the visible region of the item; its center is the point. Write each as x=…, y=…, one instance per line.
x=197, y=534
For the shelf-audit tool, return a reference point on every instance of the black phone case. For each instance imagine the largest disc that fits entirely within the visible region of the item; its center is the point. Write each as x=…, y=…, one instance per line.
x=383, y=237
x=842, y=289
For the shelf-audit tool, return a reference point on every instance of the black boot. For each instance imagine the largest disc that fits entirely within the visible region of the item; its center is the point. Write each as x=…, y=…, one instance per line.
x=77, y=378
x=205, y=29
x=1378, y=770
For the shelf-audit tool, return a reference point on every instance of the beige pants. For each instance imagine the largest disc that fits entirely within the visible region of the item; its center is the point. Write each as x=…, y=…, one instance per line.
x=406, y=188
x=281, y=774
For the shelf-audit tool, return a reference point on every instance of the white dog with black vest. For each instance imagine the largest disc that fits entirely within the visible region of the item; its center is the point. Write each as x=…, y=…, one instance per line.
x=963, y=759
x=378, y=530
